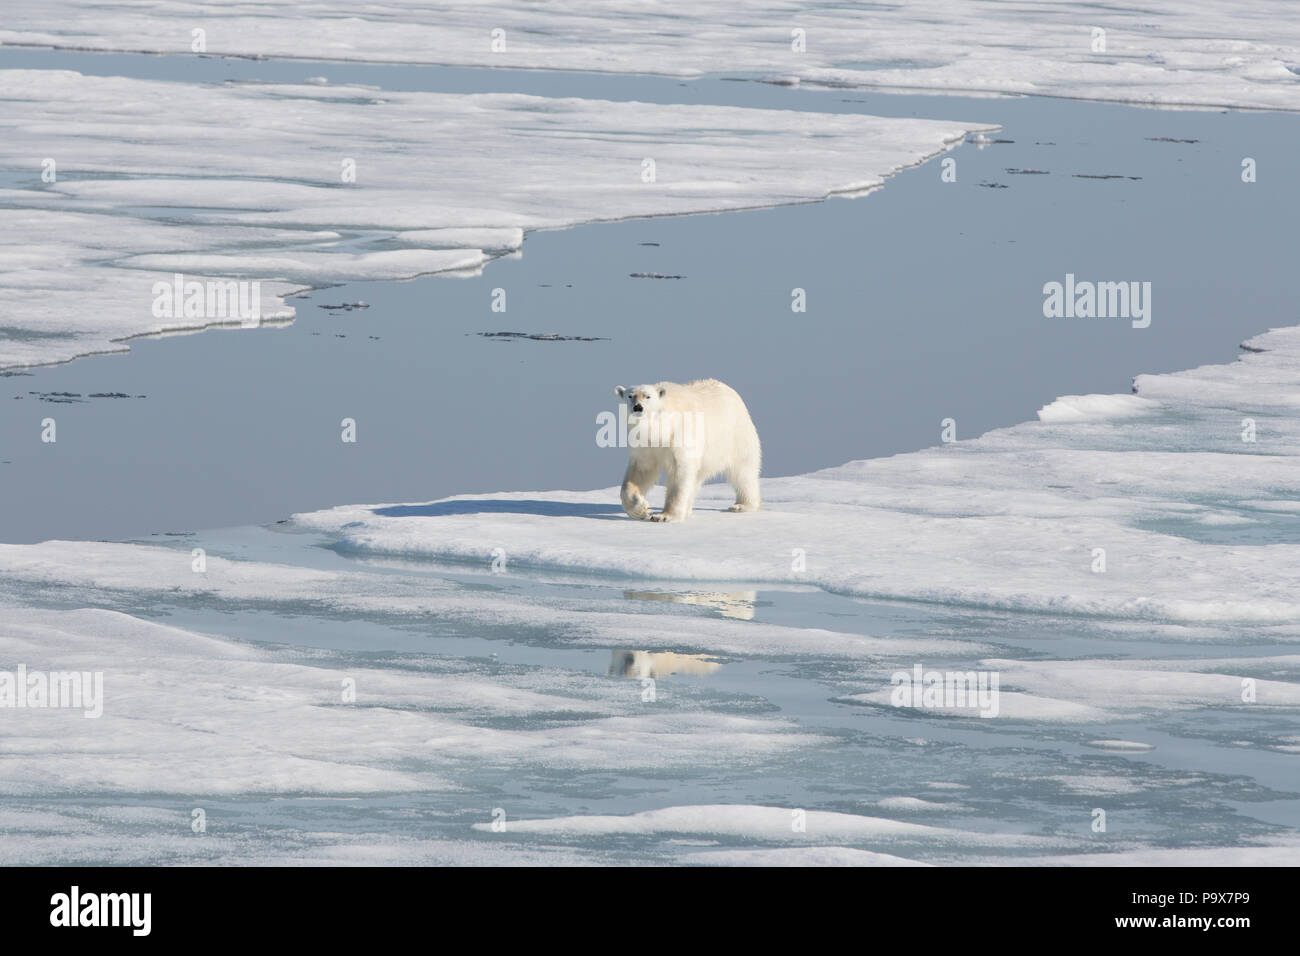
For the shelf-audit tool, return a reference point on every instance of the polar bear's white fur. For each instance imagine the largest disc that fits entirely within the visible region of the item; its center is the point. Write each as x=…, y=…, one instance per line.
x=691, y=433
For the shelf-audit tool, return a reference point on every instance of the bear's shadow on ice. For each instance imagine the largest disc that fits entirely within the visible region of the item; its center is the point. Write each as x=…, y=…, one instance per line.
x=553, y=509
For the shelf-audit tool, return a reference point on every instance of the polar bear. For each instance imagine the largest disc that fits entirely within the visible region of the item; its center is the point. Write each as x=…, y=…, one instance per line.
x=692, y=433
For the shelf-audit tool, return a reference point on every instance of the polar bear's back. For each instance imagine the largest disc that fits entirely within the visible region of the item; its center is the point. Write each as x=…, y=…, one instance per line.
x=728, y=436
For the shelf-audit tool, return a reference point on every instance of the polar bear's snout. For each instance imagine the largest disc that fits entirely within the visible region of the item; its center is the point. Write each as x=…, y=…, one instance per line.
x=640, y=399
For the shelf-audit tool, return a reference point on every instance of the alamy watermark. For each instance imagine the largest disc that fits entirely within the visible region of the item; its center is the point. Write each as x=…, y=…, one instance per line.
x=130, y=910
x=1098, y=300
x=649, y=430
x=946, y=690
x=208, y=299
x=82, y=690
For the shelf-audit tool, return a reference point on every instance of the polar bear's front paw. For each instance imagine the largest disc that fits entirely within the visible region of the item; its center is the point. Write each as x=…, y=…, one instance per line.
x=737, y=507
x=637, y=508
x=664, y=516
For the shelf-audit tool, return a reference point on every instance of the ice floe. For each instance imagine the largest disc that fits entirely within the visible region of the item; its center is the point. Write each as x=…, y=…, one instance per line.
x=134, y=182
x=187, y=713
x=798, y=856
x=1100, y=514
x=762, y=823
x=127, y=575
x=1098, y=690
x=1166, y=52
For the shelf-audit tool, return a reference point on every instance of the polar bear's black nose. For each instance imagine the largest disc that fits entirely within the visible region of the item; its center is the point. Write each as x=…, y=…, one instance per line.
x=636, y=407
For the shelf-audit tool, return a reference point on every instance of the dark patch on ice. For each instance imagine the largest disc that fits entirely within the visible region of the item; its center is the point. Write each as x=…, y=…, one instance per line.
x=538, y=336
x=1044, y=144
x=1169, y=139
x=653, y=275
x=647, y=243
x=1027, y=172
x=1103, y=176
x=108, y=395
x=344, y=306
x=13, y=333
x=992, y=185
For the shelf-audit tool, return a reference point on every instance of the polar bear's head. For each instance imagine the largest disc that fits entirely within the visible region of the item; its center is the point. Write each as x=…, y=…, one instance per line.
x=641, y=399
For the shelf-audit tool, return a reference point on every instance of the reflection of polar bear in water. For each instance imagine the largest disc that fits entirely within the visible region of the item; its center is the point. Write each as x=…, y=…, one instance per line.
x=659, y=664
x=734, y=604
x=692, y=433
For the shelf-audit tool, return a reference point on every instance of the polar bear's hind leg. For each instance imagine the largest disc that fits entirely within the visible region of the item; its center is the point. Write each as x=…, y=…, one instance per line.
x=744, y=480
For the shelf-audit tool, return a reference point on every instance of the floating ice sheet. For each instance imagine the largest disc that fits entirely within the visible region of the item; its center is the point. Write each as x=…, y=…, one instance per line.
x=185, y=713
x=130, y=575
x=761, y=823
x=1097, y=690
x=1203, y=52
x=296, y=185
x=1099, y=515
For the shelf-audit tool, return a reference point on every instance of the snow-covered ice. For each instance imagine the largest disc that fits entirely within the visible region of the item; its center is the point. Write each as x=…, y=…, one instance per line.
x=1200, y=52
x=364, y=689
x=189, y=713
x=1014, y=519
x=1097, y=690
x=122, y=574
x=761, y=823
x=298, y=185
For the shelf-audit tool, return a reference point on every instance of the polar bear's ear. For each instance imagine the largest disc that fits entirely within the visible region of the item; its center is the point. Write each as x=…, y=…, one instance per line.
x=620, y=391
x=661, y=392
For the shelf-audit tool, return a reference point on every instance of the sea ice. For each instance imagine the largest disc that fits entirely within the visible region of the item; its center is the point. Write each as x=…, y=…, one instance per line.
x=187, y=713
x=297, y=185
x=1089, y=515
x=1165, y=52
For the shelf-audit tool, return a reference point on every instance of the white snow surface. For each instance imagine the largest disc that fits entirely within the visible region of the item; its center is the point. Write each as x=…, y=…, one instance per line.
x=250, y=178
x=99, y=573
x=1096, y=690
x=1199, y=52
x=798, y=856
x=764, y=823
